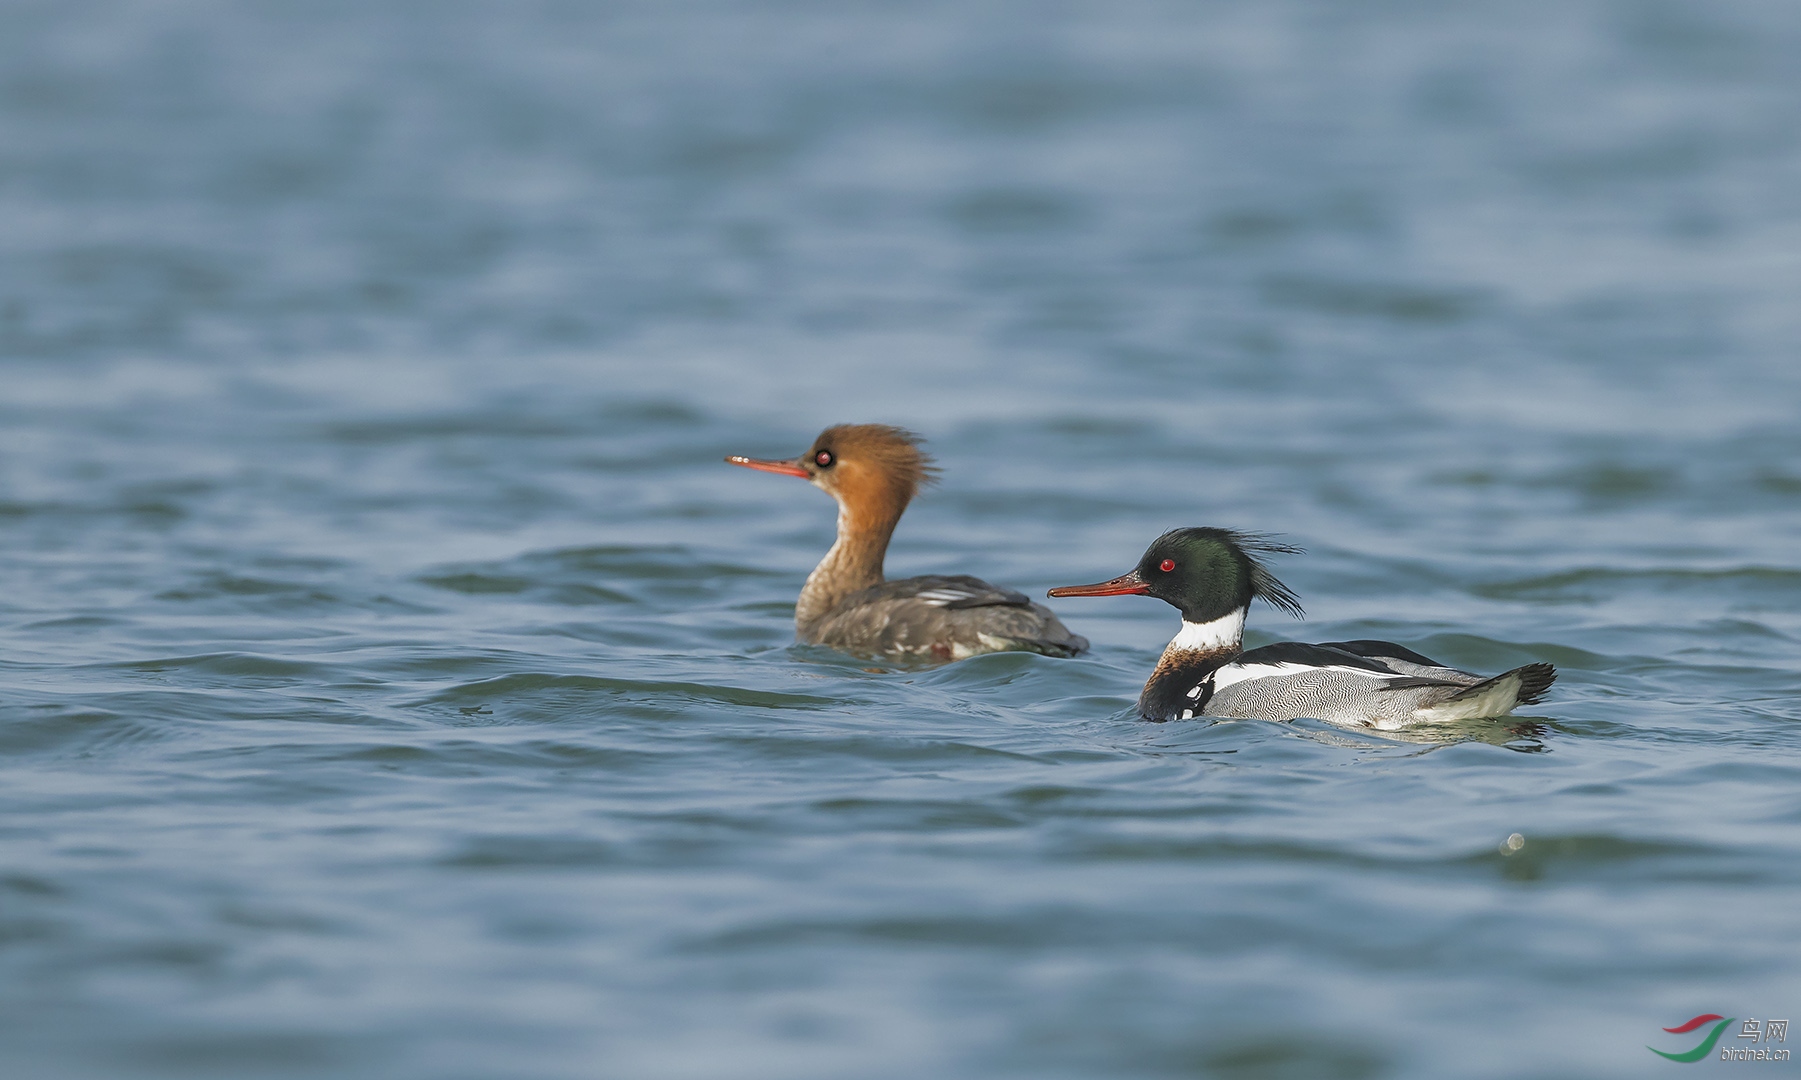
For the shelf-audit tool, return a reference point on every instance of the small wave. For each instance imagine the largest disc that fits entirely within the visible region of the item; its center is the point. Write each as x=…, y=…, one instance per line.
x=1592, y=584
x=531, y=853
x=1402, y=303
x=70, y=729
x=536, y=685
x=239, y=590
x=585, y=576
x=230, y=667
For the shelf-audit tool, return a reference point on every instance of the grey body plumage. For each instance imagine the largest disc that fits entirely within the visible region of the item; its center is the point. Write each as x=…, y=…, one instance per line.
x=1392, y=693
x=944, y=618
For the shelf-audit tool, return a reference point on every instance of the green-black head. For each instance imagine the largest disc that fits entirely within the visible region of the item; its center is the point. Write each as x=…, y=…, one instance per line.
x=1205, y=573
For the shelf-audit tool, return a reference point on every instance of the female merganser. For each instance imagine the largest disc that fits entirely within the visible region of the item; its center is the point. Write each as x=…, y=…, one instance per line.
x=873, y=471
x=1211, y=576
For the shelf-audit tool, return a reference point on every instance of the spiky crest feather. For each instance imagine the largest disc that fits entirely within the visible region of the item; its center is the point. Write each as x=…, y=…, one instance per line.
x=1263, y=583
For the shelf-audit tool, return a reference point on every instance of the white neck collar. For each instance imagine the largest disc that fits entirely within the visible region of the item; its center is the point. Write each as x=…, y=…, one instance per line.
x=1225, y=632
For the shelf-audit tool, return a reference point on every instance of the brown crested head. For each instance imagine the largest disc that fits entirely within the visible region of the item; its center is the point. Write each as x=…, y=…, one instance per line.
x=869, y=466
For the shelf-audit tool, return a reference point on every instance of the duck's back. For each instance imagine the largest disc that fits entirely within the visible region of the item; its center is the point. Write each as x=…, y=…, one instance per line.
x=942, y=617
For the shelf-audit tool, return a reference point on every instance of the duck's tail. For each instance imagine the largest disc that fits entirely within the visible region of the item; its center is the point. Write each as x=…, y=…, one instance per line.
x=1494, y=697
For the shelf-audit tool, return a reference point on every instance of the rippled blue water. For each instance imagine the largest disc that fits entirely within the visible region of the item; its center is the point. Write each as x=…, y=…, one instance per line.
x=394, y=682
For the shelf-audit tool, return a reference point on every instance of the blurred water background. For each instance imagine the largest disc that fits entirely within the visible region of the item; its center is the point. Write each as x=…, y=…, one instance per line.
x=394, y=682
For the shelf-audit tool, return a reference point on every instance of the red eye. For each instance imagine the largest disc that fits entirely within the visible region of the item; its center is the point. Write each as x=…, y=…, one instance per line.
x=1167, y=565
x=824, y=458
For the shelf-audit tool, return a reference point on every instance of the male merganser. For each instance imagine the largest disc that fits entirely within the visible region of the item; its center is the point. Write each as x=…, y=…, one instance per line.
x=1211, y=576
x=873, y=471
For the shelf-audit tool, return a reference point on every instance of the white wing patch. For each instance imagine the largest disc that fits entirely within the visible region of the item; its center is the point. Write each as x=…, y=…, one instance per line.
x=943, y=597
x=1237, y=673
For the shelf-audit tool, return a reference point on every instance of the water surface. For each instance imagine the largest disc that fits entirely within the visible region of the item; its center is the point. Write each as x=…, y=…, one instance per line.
x=395, y=683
